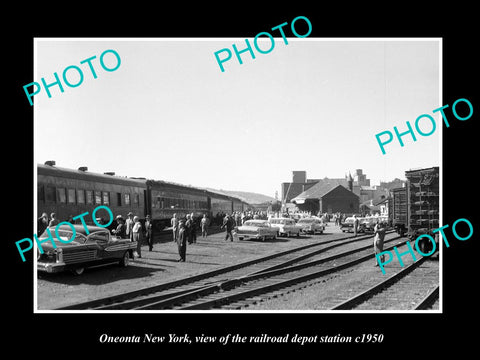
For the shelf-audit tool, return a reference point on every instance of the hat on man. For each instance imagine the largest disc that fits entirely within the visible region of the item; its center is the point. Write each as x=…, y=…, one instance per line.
x=119, y=217
x=129, y=213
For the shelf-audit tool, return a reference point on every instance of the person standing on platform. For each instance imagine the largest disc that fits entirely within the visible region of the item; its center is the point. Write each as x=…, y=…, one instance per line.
x=129, y=226
x=182, y=241
x=42, y=223
x=193, y=229
x=120, y=229
x=355, y=225
x=204, y=225
x=174, y=223
x=149, y=232
x=53, y=220
x=137, y=234
x=188, y=229
x=378, y=240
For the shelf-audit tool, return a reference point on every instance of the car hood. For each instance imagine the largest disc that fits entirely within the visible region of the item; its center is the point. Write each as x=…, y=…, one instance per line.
x=60, y=245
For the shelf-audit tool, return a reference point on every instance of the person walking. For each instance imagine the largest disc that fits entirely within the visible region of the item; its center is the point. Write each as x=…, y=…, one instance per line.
x=182, y=241
x=174, y=224
x=137, y=234
x=149, y=232
x=204, y=225
x=378, y=241
x=229, y=225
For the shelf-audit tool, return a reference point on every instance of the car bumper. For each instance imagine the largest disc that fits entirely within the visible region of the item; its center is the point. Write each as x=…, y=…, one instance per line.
x=50, y=267
x=256, y=236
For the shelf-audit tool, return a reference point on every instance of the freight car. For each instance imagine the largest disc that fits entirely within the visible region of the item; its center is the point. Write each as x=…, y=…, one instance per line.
x=68, y=192
x=415, y=208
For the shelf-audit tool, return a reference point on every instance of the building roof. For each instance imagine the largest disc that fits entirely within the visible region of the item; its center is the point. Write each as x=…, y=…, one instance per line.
x=320, y=189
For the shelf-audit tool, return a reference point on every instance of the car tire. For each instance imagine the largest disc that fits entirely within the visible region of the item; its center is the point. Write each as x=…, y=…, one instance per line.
x=240, y=238
x=78, y=271
x=125, y=259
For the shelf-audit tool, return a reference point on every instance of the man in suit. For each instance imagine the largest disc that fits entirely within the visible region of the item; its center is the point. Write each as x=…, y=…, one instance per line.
x=174, y=223
x=129, y=226
x=149, y=232
x=229, y=225
x=182, y=241
x=188, y=228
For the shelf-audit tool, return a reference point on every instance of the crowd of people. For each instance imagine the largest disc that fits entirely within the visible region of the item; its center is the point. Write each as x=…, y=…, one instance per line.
x=184, y=229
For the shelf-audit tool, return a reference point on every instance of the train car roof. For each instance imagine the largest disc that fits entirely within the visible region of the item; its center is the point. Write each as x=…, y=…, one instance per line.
x=88, y=176
x=142, y=182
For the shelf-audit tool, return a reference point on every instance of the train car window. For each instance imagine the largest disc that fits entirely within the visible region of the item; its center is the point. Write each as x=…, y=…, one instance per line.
x=106, y=197
x=89, y=196
x=119, y=199
x=71, y=196
x=50, y=194
x=136, y=199
x=61, y=195
x=98, y=197
x=80, y=196
x=127, y=199
x=40, y=193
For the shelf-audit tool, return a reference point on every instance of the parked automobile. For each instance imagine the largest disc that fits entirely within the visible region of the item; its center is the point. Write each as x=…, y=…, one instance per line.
x=256, y=229
x=285, y=226
x=347, y=225
x=311, y=225
x=91, y=247
x=368, y=224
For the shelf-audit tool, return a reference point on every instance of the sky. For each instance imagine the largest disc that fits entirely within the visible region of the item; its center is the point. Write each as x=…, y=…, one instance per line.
x=169, y=113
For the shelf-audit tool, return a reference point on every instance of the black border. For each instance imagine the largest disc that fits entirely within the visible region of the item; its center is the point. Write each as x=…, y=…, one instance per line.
x=403, y=332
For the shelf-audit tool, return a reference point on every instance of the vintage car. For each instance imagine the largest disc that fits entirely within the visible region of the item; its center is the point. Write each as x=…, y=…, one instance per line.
x=285, y=226
x=256, y=229
x=92, y=248
x=311, y=225
x=347, y=225
x=367, y=225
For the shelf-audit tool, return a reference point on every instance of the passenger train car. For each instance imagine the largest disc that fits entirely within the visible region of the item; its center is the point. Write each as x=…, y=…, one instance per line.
x=69, y=193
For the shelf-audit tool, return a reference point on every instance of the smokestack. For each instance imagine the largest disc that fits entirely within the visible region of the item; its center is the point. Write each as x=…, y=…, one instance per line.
x=50, y=162
x=83, y=168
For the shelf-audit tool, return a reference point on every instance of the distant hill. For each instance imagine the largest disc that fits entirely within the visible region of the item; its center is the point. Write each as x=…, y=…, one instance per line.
x=249, y=197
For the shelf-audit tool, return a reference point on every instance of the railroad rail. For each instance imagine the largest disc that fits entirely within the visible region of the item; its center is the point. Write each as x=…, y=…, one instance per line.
x=145, y=296
x=215, y=295
x=396, y=291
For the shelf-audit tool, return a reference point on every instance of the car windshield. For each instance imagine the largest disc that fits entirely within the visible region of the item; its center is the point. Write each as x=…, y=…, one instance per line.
x=306, y=221
x=256, y=223
x=65, y=236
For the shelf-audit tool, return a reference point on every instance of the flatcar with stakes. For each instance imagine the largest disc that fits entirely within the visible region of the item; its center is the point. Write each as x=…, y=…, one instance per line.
x=415, y=207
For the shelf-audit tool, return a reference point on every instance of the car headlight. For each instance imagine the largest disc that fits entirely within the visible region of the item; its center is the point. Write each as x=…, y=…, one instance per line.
x=59, y=255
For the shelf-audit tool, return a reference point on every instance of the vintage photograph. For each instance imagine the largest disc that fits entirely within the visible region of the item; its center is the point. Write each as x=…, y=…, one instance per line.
x=305, y=178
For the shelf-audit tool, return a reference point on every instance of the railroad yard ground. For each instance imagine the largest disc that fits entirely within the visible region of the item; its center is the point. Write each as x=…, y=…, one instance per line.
x=160, y=266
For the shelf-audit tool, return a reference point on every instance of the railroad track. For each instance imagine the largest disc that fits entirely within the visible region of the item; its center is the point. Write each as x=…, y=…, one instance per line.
x=244, y=288
x=143, y=297
x=415, y=287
